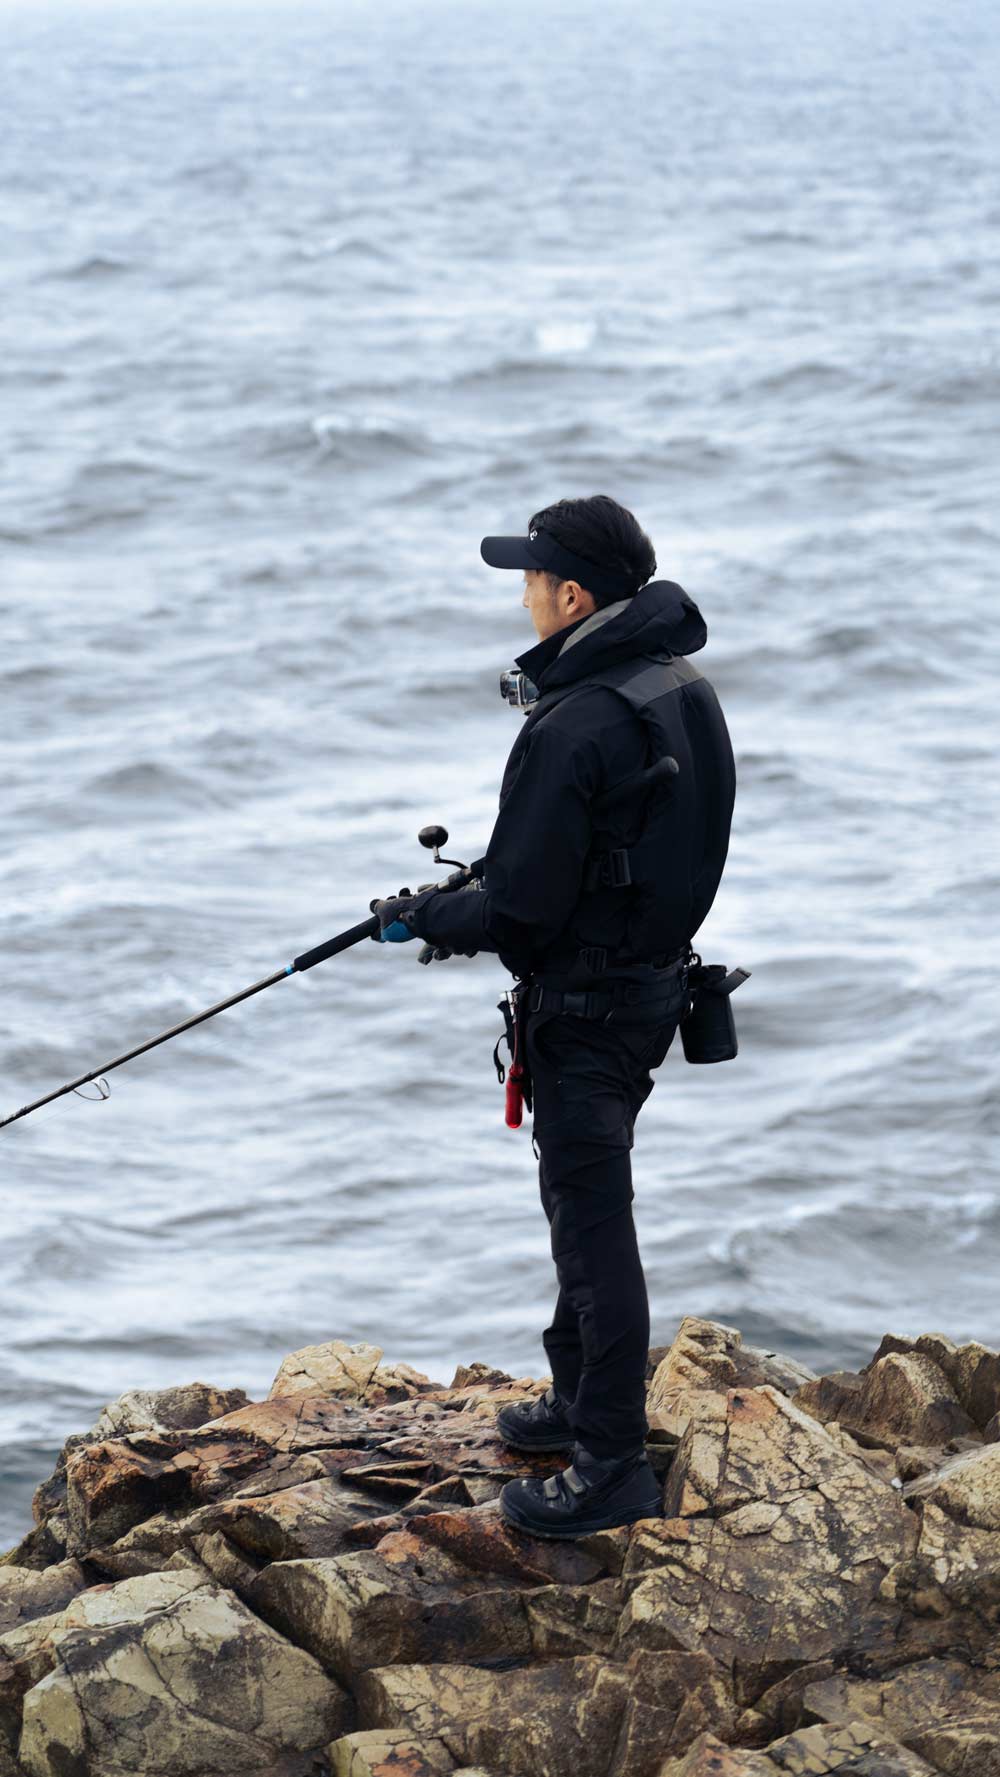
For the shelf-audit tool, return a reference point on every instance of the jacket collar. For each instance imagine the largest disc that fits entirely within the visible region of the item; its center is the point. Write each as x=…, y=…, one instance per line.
x=659, y=619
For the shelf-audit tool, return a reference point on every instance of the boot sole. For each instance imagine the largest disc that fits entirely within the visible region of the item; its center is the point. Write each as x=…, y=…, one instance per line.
x=568, y=1532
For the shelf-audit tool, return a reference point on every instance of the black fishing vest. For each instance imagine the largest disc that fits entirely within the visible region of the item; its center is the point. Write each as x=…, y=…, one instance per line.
x=657, y=858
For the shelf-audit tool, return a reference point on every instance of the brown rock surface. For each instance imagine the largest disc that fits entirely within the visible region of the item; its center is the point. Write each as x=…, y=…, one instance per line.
x=706, y=1359
x=857, y=1749
x=579, y=1717
x=973, y=1370
x=157, y=1677
x=348, y=1372
x=359, y=1610
x=948, y=1589
x=966, y=1486
x=27, y=1593
x=904, y=1397
x=773, y=1548
x=350, y=1522
x=388, y=1752
x=944, y=1710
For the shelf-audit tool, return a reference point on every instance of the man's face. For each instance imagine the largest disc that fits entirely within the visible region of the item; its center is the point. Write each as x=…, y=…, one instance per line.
x=552, y=611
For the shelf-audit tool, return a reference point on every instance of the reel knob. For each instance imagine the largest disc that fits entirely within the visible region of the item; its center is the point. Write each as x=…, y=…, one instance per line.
x=433, y=837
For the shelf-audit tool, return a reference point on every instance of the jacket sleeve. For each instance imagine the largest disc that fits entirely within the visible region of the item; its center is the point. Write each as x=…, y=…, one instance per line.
x=534, y=861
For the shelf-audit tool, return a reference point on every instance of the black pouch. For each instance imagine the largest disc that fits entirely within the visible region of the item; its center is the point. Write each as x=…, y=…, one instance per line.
x=708, y=1029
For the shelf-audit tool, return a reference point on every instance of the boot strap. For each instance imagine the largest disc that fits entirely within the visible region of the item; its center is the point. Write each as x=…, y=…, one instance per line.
x=571, y=1478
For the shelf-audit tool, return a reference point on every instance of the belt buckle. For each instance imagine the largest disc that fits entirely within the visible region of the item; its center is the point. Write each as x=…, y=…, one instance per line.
x=576, y=1003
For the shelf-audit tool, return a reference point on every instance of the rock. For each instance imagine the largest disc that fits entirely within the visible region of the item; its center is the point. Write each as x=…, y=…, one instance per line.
x=940, y=1709
x=178, y=1681
x=482, y=1541
x=43, y=1546
x=563, y=1620
x=973, y=1371
x=146, y=1548
x=700, y=1361
x=138, y=1410
x=115, y=1485
x=902, y=1397
x=948, y=1589
x=709, y=1757
x=857, y=1749
x=872, y=1456
x=756, y=1368
x=909, y=1397
x=347, y=1372
x=183, y=1408
x=360, y=1610
x=966, y=1486
x=780, y=1709
x=820, y=1535
x=831, y=1398
x=578, y=1717
x=671, y=1699
x=399, y=1382
x=25, y=1657
x=27, y=1654
x=773, y=1547
x=708, y=1358
x=388, y=1752
x=224, y=1563
x=8, y=1765
x=27, y=1593
x=482, y=1376
x=292, y=1523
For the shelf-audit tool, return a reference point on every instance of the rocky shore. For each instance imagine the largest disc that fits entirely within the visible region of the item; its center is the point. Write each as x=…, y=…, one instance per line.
x=321, y=1583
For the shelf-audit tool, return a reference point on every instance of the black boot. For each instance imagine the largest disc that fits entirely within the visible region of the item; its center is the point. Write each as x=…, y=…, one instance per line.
x=589, y=1495
x=536, y=1425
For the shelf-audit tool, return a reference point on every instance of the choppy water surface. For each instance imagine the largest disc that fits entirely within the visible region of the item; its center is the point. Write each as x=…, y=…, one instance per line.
x=299, y=301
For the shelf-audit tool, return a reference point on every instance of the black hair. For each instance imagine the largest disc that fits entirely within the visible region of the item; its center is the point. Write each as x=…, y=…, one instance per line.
x=604, y=533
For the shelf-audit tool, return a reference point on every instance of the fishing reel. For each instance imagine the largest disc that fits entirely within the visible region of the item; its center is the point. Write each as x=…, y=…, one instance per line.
x=433, y=838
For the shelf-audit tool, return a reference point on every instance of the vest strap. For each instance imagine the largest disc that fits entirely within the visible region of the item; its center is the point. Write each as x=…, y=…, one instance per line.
x=608, y=869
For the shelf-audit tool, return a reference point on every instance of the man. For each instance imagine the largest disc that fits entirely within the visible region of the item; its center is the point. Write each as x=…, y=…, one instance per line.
x=593, y=908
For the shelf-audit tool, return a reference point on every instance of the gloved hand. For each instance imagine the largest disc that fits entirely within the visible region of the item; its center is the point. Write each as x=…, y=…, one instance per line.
x=439, y=953
x=433, y=953
x=392, y=929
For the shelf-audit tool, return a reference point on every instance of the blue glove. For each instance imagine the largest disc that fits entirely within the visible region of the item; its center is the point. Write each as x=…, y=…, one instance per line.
x=391, y=928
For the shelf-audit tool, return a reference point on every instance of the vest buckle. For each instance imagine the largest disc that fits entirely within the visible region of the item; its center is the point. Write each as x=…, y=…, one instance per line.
x=616, y=871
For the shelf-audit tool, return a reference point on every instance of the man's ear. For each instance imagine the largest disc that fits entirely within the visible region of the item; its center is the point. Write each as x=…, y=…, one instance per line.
x=584, y=600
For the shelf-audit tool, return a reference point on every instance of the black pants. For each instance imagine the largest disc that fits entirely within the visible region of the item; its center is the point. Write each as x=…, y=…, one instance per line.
x=589, y=1081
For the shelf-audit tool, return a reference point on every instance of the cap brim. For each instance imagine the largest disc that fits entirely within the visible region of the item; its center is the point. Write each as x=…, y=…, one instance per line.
x=507, y=552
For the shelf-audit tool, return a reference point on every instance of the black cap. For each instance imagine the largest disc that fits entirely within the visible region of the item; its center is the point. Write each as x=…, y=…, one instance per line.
x=540, y=550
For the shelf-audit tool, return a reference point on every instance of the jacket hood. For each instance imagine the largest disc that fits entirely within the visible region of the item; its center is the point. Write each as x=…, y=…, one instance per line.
x=659, y=619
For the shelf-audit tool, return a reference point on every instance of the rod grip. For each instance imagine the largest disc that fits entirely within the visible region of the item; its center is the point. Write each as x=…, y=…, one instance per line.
x=334, y=946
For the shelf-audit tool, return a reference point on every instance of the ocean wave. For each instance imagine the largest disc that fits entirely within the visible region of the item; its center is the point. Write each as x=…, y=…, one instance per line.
x=810, y=377
x=151, y=783
x=96, y=268
x=340, y=436
x=514, y=370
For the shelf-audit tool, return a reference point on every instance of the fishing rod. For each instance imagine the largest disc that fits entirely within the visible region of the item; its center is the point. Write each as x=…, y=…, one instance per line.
x=431, y=837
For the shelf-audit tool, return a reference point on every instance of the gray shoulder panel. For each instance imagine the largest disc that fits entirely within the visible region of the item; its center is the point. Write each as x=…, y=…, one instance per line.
x=643, y=680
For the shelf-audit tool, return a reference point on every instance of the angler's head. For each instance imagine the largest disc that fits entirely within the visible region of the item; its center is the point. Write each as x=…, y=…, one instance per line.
x=578, y=555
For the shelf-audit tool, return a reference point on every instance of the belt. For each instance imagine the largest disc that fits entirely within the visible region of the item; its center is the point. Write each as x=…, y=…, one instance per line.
x=601, y=1002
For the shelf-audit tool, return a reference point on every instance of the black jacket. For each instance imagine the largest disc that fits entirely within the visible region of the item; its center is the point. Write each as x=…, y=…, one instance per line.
x=532, y=908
